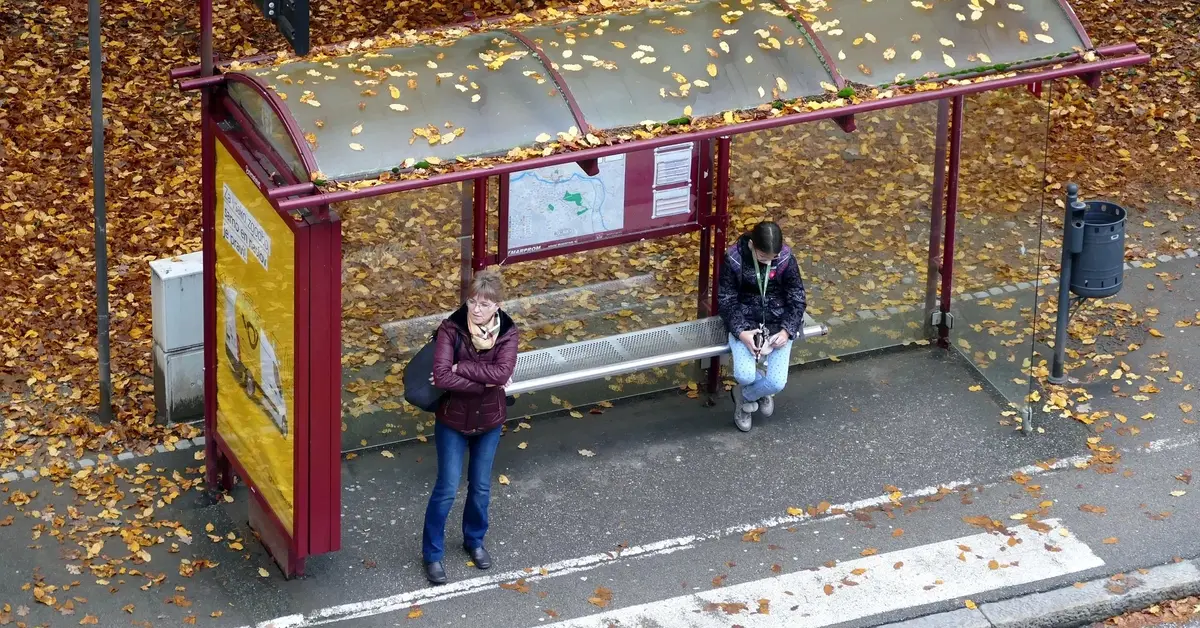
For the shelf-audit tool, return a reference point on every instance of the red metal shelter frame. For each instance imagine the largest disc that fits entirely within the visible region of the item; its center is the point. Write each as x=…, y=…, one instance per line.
x=318, y=302
x=316, y=458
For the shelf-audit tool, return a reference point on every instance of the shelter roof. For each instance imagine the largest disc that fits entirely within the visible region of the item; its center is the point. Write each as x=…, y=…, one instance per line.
x=530, y=87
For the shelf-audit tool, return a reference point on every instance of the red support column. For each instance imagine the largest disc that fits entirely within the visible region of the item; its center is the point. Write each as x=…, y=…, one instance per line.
x=720, y=225
x=465, y=231
x=479, y=225
x=216, y=468
x=502, y=218
x=956, y=127
x=704, y=209
x=936, y=200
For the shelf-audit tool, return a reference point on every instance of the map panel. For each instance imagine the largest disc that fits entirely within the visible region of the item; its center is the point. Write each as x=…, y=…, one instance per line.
x=562, y=203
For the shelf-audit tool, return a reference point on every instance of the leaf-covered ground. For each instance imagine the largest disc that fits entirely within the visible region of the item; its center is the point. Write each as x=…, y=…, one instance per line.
x=1181, y=612
x=854, y=204
x=1130, y=141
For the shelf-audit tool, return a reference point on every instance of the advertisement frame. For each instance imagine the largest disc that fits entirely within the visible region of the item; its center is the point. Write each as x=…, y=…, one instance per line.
x=316, y=481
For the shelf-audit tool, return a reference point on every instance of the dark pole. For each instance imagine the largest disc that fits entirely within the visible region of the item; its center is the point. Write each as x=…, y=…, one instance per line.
x=1072, y=245
x=101, y=218
x=215, y=468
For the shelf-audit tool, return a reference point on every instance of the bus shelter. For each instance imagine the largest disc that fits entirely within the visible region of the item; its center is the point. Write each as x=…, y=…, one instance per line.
x=545, y=140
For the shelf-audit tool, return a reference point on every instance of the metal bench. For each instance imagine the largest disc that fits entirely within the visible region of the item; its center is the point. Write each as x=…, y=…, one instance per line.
x=628, y=353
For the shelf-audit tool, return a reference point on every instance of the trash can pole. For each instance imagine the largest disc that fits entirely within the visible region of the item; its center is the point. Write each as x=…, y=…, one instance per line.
x=1057, y=366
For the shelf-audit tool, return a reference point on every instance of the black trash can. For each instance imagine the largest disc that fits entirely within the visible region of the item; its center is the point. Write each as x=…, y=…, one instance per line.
x=1099, y=268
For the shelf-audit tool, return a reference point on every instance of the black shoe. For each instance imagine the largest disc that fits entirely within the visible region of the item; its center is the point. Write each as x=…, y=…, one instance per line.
x=435, y=572
x=479, y=556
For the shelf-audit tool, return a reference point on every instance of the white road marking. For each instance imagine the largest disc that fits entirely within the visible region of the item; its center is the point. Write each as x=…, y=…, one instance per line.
x=930, y=573
x=1167, y=444
x=402, y=601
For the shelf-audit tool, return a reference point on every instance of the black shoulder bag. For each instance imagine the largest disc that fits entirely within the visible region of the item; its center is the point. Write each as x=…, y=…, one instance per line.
x=418, y=389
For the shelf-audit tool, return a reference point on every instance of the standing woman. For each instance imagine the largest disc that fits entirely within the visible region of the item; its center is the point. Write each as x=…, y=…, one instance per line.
x=761, y=299
x=474, y=358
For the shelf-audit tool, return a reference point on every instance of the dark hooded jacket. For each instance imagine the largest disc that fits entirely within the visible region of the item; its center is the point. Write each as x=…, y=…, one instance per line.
x=740, y=303
x=471, y=406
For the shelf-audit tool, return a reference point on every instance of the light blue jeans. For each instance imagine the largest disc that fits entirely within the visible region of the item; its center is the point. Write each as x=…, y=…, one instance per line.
x=756, y=385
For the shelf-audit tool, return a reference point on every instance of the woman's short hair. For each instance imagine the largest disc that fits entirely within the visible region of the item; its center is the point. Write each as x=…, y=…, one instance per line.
x=487, y=284
x=767, y=237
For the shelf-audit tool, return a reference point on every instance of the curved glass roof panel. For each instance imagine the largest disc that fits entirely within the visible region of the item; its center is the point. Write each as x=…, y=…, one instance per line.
x=654, y=63
x=880, y=42
x=269, y=125
x=371, y=109
x=368, y=112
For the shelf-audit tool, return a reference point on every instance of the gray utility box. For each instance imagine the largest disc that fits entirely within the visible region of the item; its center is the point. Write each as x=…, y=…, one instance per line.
x=177, y=306
x=1099, y=238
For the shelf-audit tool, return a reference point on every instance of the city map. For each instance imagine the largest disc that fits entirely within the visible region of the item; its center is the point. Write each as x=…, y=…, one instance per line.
x=561, y=202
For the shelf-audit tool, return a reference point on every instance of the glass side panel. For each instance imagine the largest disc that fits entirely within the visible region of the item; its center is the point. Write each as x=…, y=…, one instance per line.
x=887, y=41
x=402, y=260
x=653, y=64
x=269, y=125
x=367, y=113
x=998, y=291
x=856, y=208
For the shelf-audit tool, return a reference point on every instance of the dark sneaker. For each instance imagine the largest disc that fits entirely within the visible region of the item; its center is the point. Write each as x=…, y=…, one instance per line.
x=435, y=572
x=479, y=556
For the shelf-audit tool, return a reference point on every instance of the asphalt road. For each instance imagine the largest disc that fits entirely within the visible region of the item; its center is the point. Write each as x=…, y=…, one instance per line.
x=659, y=515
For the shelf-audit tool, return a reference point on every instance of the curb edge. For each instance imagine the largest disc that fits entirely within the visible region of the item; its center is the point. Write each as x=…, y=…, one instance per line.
x=125, y=456
x=1074, y=605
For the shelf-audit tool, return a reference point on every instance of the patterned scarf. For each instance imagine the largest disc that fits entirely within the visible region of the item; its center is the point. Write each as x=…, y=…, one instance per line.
x=484, y=338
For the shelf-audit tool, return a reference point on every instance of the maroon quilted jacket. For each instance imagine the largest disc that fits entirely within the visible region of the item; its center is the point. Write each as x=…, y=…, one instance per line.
x=471, y=406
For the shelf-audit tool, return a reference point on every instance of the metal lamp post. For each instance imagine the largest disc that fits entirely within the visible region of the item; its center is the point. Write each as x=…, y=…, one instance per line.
x=101, y=220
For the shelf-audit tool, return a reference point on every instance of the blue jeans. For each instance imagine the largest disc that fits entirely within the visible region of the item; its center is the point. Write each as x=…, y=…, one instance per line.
x=756, y=385
x=451, y=446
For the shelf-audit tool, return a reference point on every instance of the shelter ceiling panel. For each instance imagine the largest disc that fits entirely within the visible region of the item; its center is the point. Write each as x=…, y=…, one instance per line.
x=367, y=113
x=881, y=42
x=653, y=64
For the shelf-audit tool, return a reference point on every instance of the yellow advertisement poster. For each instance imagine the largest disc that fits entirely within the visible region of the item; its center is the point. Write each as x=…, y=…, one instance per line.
x=255, y=334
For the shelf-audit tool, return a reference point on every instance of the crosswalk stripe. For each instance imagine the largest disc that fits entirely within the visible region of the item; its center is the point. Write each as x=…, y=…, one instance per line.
x=868, y=586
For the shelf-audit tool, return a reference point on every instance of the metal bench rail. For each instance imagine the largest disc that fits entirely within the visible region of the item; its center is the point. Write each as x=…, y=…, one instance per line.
x=627, y=353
